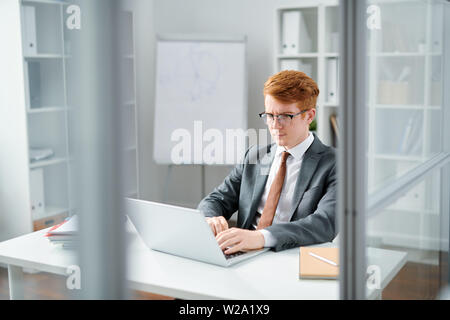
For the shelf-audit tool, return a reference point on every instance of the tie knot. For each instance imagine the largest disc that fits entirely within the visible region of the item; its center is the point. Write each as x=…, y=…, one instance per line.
x=284, y=156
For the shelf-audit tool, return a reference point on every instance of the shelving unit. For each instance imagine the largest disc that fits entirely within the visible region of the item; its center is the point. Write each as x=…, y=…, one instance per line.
x=404, y=100
x=38, y=117
x=318, y=24
x=36, y=113
x=47, y=107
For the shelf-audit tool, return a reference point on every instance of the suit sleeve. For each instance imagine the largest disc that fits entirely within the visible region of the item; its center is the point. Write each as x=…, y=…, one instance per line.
x=224, y=199
x=318, y=227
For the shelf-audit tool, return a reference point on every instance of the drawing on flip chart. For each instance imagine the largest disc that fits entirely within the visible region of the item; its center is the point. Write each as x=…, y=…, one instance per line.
x=198, y=81
x=196, y=73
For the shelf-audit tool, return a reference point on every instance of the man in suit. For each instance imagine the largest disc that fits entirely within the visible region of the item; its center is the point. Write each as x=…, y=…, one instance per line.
x=285, y=193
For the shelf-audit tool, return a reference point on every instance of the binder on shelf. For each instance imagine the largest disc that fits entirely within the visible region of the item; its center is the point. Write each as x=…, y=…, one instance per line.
x=305, y=41
x=290, y=32
x=411, y=139
x=332, y=80
x=29, y=30
x=319, y=263
x=33, y=75
x=37, y=195
x=335, y=126
x=334, y=42
x=295, y=35
x=436, y=31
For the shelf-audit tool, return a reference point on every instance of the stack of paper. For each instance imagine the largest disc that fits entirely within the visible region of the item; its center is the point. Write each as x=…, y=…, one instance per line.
x=65, y=234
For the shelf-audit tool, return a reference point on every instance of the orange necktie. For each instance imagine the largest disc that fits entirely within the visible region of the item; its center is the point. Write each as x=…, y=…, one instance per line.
x=274, y=194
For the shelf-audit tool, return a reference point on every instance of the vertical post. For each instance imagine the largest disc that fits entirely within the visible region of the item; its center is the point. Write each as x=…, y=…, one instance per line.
x=445, y=107
x=15, y=278
x=97, y=146
x=352, y=150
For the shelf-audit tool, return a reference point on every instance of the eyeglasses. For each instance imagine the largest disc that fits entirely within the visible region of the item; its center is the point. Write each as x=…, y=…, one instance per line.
x=283, y=119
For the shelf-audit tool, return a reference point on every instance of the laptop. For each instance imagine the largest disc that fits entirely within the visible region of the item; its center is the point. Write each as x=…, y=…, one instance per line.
x=179, y=231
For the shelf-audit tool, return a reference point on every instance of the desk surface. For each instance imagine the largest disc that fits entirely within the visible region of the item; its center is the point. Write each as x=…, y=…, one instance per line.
x=178, y=277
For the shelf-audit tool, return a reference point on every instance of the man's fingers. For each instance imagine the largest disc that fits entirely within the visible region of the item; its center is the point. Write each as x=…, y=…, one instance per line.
x=212, y=226
x=236, y=248
x=223, y=223
x=216, y=227
x=219, y=225
x=230, y=242
x=225, y=235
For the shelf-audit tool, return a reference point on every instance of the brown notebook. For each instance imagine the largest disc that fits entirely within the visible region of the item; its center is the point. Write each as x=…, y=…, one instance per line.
x=312, y=267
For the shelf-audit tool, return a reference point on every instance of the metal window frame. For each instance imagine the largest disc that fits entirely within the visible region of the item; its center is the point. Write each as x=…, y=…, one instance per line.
x=445, y=203
x=352, y=156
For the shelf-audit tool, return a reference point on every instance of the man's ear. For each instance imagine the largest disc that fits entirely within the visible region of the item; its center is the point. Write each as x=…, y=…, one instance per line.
x=311, y=114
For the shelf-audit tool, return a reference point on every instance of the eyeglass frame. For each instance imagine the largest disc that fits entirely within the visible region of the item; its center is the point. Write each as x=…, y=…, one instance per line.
x=291, y=116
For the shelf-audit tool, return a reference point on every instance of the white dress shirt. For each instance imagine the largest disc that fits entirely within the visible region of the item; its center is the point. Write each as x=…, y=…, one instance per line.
x=293, y=166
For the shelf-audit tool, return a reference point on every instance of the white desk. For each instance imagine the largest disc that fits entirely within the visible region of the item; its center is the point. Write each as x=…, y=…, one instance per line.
x=173, y=276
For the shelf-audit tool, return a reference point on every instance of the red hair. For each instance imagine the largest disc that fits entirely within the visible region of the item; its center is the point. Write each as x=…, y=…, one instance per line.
x=293, y=86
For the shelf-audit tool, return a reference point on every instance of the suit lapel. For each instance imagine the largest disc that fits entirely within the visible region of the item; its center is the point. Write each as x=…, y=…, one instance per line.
x=310, y=161
x=307, y=170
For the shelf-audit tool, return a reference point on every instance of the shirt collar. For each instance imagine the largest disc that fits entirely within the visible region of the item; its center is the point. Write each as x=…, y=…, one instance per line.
x=299, y=150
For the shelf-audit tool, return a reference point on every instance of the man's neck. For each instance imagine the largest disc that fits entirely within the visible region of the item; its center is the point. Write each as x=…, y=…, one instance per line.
x=302, y=140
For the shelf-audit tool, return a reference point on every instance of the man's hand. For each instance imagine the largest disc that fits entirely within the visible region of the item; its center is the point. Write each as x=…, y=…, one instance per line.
x=217, y=224
x=240, y=240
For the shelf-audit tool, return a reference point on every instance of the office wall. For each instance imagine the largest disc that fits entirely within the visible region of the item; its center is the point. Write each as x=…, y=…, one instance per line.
x=254, y=18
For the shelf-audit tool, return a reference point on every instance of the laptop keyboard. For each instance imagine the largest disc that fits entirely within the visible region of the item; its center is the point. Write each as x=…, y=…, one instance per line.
x=229, y=256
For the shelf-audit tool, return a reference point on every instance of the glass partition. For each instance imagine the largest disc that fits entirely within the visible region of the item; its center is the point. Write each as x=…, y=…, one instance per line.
x=407, y=175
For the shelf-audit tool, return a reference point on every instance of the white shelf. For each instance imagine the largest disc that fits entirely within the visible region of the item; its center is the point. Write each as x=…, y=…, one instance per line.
x=392, y=2
x=403, y=54
x=397, y=157
x=46, y=109
x=298, y=56
x=44, y=56
x=49, y=162
x=405, y=106
x=45, y=2
x=410, y=210
x=331, y=105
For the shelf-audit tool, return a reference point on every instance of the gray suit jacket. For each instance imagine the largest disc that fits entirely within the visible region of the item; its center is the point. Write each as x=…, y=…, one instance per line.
x=313, y=205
